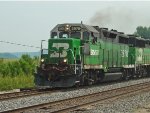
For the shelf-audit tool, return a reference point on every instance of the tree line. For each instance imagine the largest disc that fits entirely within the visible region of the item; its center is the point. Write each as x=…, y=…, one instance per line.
x=143, y=32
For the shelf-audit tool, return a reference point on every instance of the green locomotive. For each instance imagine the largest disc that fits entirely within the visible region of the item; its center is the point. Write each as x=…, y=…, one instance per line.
x=80, y=54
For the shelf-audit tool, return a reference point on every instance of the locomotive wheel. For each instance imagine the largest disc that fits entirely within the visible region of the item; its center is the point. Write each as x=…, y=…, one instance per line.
x=88, y=79
x=133, y=74
x=148, y=71
x=90, y=82
x=77, y=85
x=140, y=74
x=126, y=75
x=82, y=80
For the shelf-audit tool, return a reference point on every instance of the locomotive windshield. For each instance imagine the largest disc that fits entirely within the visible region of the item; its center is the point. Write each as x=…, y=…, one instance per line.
x=63, y=35
x=66, y=35
x=75, y=34
x=69, y=35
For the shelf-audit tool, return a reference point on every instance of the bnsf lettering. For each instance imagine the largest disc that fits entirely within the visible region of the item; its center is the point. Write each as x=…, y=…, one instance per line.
x=60, y=45
x=75, y=28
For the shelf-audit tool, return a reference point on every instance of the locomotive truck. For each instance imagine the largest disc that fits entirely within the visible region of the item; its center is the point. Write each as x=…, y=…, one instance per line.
x=79, y=54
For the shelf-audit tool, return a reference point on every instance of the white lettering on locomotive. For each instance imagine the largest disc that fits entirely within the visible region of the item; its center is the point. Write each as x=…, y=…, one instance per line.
x=139, y=54
x=124, y=53
x=60, y=45
x=94, y=52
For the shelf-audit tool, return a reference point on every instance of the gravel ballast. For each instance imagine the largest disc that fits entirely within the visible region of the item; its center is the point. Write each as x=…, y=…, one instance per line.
x=126, y=105
x=44, y=98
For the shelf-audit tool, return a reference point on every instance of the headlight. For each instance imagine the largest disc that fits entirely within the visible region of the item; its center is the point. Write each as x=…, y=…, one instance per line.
x=42, y=60
x=67, y=28
x=65, y=60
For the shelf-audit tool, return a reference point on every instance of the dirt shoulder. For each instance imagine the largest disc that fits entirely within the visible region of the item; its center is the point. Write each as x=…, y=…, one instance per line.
x=144, y=109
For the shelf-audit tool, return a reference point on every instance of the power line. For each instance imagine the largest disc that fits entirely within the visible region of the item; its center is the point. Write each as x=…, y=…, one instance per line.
x=19, y=44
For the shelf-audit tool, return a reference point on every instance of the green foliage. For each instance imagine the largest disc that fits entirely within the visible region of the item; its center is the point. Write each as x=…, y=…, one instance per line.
x=24, y=66
x=27, y=64
x=17, y=73
x=143, y=32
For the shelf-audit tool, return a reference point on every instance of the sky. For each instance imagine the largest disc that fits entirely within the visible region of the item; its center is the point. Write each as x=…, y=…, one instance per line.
x=29, y=22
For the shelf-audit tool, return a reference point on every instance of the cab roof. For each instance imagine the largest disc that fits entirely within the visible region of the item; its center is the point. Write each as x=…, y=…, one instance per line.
x=83, y=26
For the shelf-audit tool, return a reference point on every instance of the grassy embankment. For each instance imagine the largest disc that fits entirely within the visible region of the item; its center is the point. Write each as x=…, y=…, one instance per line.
x=17, y=73
x=22, y=81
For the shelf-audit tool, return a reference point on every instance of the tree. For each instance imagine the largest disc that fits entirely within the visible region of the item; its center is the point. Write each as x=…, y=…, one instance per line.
x=24, y=66
x=27, y=64
x=143, y=32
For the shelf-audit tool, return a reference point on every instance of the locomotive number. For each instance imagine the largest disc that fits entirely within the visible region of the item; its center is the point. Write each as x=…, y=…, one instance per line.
x=94, y=52
x=75, y=28
x=124, y=53
x=60, y=45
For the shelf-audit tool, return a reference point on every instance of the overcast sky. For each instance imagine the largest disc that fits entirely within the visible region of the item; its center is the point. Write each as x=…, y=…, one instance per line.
x=29, y=22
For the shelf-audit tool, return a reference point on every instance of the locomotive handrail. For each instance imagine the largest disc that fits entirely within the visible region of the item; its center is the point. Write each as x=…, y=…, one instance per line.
x=80, y=58
x=42, y=50
x=74, y=60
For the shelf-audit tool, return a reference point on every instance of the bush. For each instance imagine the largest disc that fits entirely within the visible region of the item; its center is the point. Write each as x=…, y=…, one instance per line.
x=24, y=66
x=17, y=73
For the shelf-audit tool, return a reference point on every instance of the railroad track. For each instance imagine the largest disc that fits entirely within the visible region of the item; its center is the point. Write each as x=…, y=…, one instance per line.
x=23, y=93
x=76, y=103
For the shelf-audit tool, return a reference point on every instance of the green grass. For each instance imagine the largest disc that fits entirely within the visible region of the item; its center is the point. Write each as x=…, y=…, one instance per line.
x=9, y=83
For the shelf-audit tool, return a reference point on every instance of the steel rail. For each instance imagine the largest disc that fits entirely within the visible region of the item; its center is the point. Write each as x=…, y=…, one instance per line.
x=22, y=94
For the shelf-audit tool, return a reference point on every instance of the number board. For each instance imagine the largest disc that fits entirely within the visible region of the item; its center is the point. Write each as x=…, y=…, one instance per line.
x=62, y=28
x=75, y=28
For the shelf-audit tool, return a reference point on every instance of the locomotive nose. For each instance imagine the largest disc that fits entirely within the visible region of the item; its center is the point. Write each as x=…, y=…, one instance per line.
x=61, y=51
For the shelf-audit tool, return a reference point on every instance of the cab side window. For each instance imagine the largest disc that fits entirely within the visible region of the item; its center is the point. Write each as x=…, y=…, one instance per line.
x=94, y=37
x=86, y=35
x=54, y=35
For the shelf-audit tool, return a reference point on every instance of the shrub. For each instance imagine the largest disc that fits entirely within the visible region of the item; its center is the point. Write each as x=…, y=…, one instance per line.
x=25, y=65
x=17, y=73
